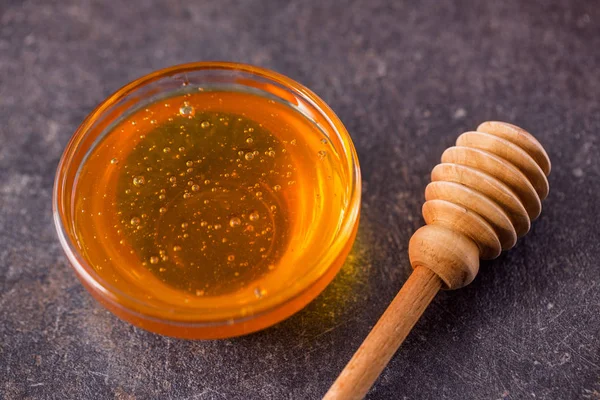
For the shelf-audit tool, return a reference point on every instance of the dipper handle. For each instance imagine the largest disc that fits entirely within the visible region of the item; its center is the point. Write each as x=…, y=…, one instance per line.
x=386, y=337
x=482, y=197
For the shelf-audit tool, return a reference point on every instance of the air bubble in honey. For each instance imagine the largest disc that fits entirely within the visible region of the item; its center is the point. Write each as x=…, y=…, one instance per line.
x=259, y=292
x=254, y=216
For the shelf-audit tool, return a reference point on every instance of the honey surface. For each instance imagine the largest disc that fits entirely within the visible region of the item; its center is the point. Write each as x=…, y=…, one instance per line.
x=213, y=200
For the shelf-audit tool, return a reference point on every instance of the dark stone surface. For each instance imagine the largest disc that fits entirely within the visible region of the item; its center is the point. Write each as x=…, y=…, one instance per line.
x=406, y=79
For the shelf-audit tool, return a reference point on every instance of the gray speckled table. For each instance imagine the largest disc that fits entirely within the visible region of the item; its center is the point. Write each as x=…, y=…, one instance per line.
x=406, y=79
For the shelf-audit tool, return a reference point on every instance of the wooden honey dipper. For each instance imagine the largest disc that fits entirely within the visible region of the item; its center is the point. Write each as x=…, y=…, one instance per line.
x=482, y=197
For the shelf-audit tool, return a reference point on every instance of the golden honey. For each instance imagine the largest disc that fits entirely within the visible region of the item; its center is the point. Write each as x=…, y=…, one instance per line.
x=209, y=206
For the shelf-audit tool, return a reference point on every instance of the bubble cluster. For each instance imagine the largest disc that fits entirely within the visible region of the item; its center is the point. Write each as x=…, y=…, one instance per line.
x=208, y=200
x=139, y=180
x=186, y=110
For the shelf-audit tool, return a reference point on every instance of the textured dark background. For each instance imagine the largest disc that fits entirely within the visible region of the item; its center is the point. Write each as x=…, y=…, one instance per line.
x=406, y=79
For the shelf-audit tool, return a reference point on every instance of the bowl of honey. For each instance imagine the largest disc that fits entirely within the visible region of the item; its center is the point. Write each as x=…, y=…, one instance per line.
x=208, y=200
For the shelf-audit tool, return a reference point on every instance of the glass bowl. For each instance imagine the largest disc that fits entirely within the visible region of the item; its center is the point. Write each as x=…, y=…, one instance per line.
x=206, y=320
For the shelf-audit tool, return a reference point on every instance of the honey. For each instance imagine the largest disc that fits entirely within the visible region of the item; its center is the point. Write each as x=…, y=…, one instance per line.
x=210, y=205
